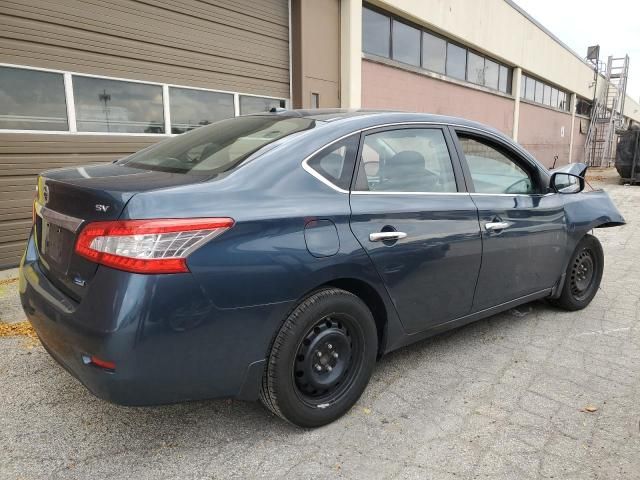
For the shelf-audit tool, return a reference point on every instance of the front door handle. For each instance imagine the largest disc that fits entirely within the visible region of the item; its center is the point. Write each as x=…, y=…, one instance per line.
x=492, y=226
x=382, y=236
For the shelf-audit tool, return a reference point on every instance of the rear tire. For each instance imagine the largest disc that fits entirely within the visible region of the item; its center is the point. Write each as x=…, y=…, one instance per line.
x=583, y=275
x=321, y=359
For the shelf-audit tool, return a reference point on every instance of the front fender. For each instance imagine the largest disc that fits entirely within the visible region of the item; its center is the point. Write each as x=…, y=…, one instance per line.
x=587, y=210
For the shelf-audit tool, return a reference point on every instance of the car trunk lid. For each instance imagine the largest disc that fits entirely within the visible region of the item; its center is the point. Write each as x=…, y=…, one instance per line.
x=70, y=198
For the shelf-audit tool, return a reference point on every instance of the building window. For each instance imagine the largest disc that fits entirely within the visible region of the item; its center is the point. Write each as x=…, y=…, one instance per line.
x=315, y=100
x=376, y=31
x=543, y=93
x=475, y=69
x=504, y=82
x=32, y=100
x=583, y=107
x=456, y=61
x=434, y=53
x=406, y=44
x=192, y=108
x=104, y=105
x=389, y=37
x=491, y=74
x=538, y=94
x=546, y=95
x=250, y=104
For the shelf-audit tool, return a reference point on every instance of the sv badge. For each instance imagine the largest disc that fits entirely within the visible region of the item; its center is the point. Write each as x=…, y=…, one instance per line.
x=102, y=208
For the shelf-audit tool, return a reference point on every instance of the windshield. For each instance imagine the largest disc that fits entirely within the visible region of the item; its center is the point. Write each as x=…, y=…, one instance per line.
x=219, y=147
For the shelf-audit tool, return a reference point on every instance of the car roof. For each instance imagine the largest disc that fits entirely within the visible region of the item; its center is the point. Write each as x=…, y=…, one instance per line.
x=373, y=117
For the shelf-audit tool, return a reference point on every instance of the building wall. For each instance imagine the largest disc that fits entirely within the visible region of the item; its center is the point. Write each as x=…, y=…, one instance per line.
x=388, y=87
x=235, y=45
x=316, y=51
x=545, y=133
x=232, y=45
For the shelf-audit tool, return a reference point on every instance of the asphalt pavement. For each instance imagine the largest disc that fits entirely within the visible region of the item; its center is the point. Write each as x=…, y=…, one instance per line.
x=531, y=393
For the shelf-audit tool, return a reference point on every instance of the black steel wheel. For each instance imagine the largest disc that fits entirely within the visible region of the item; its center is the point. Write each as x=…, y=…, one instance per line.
x=321, y=359
x=583, y=275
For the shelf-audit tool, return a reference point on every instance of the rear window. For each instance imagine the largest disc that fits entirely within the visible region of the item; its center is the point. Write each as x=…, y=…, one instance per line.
x=219, y=147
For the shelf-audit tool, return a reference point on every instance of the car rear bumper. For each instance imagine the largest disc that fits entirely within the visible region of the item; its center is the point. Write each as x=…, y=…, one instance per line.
x=168, y=341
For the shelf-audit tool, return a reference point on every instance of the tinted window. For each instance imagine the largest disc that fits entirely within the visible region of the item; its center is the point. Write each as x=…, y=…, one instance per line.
x=503, y=82
x=375, y=32
x=219, y=147
x=406, y=43
x=32, y=100
x=491, y=74
x=116, y=106
x=562, y=101
x=434, y=53
x=475, y=69
x=249, y=104
x=492, y=171
x=456, y=61
x=194, y=108
x=335, y=163
x=409, y=160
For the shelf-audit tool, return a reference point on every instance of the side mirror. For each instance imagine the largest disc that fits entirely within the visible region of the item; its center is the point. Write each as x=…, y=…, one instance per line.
x=566, y=183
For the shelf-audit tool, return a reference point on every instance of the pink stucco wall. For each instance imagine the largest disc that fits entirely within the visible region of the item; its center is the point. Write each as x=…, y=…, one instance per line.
x=579, y=139
x=388, y=87
x=541, y=132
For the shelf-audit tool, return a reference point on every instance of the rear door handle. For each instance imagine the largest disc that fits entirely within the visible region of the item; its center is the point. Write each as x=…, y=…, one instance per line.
x=381, y=236
x=492, y=226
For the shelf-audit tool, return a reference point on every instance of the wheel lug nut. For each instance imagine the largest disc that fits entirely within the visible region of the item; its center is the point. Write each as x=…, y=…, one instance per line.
x=329, y=346
x=329, y=368
x=335, y=354
x=319, y=354
x=318, y=368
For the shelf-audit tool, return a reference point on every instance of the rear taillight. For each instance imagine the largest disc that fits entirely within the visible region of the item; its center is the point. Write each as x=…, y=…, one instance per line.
x=148, y=246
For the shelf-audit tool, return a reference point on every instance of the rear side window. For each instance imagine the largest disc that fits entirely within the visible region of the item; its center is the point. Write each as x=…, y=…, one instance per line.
x=335, y=162
x=406, y=160
x=219, y=147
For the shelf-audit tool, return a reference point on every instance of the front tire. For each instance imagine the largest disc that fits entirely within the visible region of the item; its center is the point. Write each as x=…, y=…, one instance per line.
x=321, y=359
x=583, y=275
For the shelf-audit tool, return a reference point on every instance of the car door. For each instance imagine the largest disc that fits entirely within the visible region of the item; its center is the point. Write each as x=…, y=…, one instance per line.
x=523, y=226
x=411, y=213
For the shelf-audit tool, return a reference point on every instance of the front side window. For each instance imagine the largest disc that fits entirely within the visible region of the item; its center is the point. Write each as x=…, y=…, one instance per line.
x=406, y=160
x=250, y=104
x=193, y=108
x=493, y=171
x=116, y=106
x=376, y=30
x=32, y=100
x=406, y=43
x=217, y=148
x=335, y=162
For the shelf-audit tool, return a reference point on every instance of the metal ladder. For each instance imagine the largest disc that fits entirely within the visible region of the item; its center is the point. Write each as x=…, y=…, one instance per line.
x=607, y=114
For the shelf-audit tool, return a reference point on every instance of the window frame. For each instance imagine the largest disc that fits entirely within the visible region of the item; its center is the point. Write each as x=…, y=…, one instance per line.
x=448, y=41
x=538, y=177
x=451, y=147
x=70, y=100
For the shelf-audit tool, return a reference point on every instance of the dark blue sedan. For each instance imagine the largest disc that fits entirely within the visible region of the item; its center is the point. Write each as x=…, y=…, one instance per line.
x=277, y=256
